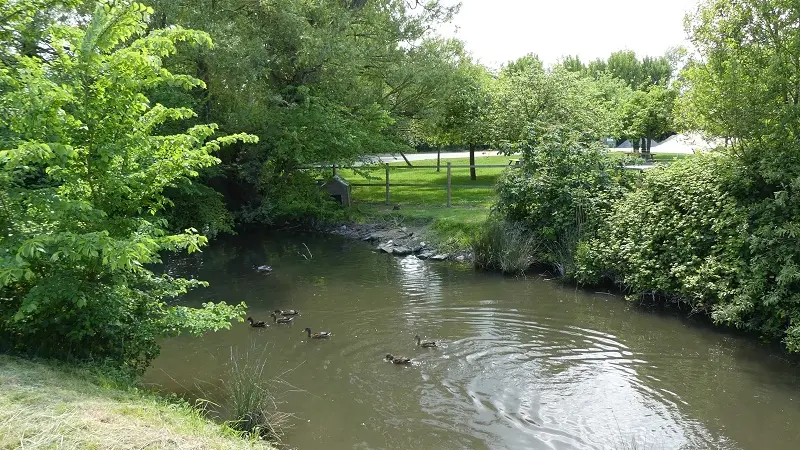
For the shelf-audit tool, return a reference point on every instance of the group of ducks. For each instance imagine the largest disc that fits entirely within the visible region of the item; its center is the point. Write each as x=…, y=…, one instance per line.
x=286, y=317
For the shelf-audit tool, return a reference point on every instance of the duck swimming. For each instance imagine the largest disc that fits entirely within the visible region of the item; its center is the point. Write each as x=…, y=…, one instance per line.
x=256, y=324
x=319, y=335
x=277, y=319
x=286, y=312
x=397, y=359
x=424, y=344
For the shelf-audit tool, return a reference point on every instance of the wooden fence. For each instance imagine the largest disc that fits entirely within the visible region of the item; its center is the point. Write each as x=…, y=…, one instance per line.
x=487, y=175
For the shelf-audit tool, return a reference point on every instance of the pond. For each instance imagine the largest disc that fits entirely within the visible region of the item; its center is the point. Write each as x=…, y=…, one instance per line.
x=524, y=363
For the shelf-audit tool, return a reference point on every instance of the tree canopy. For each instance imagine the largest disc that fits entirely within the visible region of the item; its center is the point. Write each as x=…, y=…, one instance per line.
x=83, y=174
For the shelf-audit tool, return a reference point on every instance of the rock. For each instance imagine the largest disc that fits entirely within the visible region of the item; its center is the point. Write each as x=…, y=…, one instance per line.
x=427, y=254
x=404, y=230
x=387, y=248
x=422, y=244
x=461, y=258
x=440, y=257
x=402, y=251
x=416, y=248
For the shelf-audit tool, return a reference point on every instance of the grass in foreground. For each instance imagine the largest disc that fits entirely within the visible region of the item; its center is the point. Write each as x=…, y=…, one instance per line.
x=48, y=406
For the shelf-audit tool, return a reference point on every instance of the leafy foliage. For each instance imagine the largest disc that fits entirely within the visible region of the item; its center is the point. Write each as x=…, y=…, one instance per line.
x=83, y=175
x=680, y=233
x=319, y=82
x=531, y=104
x=562, y=195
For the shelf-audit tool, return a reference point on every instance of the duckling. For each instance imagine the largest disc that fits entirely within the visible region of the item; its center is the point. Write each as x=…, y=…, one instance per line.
x=425, y=344
x=287, y=312
x=397, y=359
x=256, y=324
x=277, y=319
x=320, y=335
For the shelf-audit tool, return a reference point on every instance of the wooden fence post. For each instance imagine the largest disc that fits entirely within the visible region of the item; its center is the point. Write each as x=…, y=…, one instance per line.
x=449, y=183
x=387, y=184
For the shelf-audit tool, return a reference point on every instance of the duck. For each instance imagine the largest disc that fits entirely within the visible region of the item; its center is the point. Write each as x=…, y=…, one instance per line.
x=277, y=319
x=397, y=359
x=424, y=344
x=287, y=312
x=256, y=324
x=264, y=268
x=320, y=335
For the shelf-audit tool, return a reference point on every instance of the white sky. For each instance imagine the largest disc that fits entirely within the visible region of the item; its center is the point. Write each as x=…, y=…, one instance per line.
x=497, y=31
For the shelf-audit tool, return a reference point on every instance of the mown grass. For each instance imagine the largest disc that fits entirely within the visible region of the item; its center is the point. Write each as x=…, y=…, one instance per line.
x=55, y=406
x=433, y=191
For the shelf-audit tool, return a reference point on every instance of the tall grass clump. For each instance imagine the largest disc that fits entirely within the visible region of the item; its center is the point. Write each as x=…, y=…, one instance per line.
x=504, y=246
x=246, y=400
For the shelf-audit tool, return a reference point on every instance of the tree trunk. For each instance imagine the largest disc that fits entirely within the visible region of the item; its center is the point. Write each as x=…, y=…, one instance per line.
x=472, y=175
x=438, y=158
x=406, y=159
x=635, y=143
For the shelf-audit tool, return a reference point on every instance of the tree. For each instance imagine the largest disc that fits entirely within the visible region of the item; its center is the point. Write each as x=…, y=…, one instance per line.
x=648, y=114
x=319, y=82
x=573, y=64
x=83, y=171
x=463, y=116
x=531, y=103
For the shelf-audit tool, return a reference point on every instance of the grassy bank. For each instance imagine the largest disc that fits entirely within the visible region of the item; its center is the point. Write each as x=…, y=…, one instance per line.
x=449, y=229
x=56, y=406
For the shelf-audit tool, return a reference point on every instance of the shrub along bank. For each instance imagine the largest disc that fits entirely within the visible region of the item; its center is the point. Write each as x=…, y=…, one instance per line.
x=718, y=232
x=692, y=232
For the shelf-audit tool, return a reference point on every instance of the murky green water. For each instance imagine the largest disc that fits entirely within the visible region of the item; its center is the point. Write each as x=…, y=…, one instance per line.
x=525, y=364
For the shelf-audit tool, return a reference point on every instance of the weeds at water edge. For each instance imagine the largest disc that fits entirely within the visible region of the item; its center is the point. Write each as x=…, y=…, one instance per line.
x=504, y=246
x=246, y=399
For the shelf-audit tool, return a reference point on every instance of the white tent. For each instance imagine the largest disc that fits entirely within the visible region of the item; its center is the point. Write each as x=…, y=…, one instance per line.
x=628, y=144
x=685, y=143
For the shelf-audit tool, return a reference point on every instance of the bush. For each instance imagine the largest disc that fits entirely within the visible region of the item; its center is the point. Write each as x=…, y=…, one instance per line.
x=562, y=194
x=504, y=246
x=291, y=197
x=195, y=205
x=679, y=234
x=699, y=232
x=82, y=180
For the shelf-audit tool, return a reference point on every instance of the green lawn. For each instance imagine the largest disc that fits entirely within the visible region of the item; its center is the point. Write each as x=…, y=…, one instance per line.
x=432, y=183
